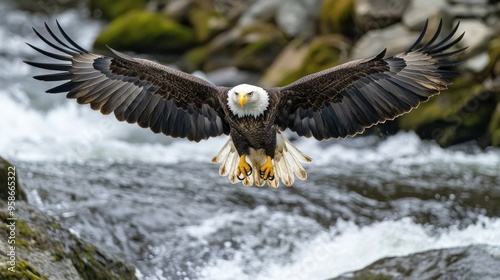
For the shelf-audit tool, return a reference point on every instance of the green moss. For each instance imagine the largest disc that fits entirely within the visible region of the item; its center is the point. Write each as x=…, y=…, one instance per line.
x=111, y=9
x=6, y=178
x=336, y=16
x=442, y=107
x=23, y=270
x=366, y=275
x=145, y=32
x=195, y=57
x=302, y=58
x=207, y=23
x=494, y=127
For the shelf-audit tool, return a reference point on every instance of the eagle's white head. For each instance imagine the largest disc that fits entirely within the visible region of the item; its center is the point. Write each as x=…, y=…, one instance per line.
x=247, y=100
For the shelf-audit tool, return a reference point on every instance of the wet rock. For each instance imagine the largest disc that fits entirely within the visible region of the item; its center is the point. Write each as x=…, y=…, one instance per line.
x=300, y=58
x=471, y=10
x=337, y=16
x=9, y=182
x=297, y=17
x=494, y=127
x=111, y=9
x=231, y=76
x=473, y=262
x=477, y=63
x=145, y=32
x=207, y=23
x=252, y=47
x=374, y=14
x=46, y=251
x=396, y=38
x=292, y=17
x=480, y=34
x=459, y=114
x=419, y=11
x=260, y=11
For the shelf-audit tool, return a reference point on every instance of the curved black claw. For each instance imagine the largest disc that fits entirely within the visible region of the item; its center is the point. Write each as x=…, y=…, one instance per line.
x=249, y=172
x=268, y=178
x=240, y=178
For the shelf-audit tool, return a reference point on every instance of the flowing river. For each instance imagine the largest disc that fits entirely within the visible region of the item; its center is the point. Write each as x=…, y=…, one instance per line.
x=159, y=202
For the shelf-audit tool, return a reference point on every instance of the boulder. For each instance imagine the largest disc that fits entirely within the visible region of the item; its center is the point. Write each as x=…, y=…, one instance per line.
x=302, y=57
x=494, y=128
x=396, y=38
x=292, y=17
x=259, y=11
x=141, y=31
x=461, y=113
x=375, y=14
x=478, y=34
x=44, y=250
x=251, y=47
x=111, y=9
x=207, y=23
x=337, y=16
x=473, y=262
x=298, y=17
x=419, y=11
x=9, y=182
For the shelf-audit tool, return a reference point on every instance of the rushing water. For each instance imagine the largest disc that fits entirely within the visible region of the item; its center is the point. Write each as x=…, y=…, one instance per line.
x=159, y=203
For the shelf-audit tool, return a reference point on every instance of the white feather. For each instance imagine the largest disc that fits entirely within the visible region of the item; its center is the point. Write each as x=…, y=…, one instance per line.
x=256, y=104
x=287, y=163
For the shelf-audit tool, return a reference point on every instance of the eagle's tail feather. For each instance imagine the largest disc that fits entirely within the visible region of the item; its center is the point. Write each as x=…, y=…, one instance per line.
x=287, y=159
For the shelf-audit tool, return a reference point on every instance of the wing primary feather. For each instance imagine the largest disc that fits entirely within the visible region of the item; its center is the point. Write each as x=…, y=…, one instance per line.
x=59, y=40
x=52, y=44
x=69, y=39
x=450, y=54
x=49, y=54
x=62, y=88
x=446, y=46
x=431, y=49
x=422, y=34
x=54, y=77
x=50, y=66
x=434, y=38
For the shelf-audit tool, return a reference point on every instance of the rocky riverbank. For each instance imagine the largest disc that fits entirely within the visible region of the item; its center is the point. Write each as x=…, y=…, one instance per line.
x=282, y=41
x=35, y=246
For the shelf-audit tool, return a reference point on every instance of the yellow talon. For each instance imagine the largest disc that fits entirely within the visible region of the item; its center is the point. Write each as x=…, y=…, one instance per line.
x=243, y=168
x=267, y=170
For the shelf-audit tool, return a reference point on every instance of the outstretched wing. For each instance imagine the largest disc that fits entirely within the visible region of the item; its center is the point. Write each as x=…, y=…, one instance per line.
x=344, y=100
x=137, y=90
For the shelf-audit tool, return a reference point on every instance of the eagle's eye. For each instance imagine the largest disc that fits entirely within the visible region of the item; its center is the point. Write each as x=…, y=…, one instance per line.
x=250, y=93
x=236, y=93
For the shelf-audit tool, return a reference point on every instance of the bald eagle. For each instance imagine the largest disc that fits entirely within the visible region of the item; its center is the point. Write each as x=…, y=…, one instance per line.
x=335, y=103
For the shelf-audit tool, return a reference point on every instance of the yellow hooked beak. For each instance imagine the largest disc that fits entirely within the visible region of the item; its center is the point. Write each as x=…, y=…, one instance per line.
x=242, y=98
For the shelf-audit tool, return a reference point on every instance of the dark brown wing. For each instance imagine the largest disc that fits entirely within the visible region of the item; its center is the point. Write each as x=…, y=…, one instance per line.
x=344, y=100
x=137, y=90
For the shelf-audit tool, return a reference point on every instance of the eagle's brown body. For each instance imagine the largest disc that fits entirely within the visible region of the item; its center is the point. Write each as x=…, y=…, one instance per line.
x=258, y=133
x=337, y=102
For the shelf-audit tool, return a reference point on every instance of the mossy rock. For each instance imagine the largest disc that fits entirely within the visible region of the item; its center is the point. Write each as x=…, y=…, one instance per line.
x=145, y=32
x=337, y=16
x=44, y=250
x=23, y=270
x=494, y=63
x=207, y=23
x=9, y=178
x=252, y=47
x=301, y=58
x=111, y=9
x=459, y=114
x=494, y=128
